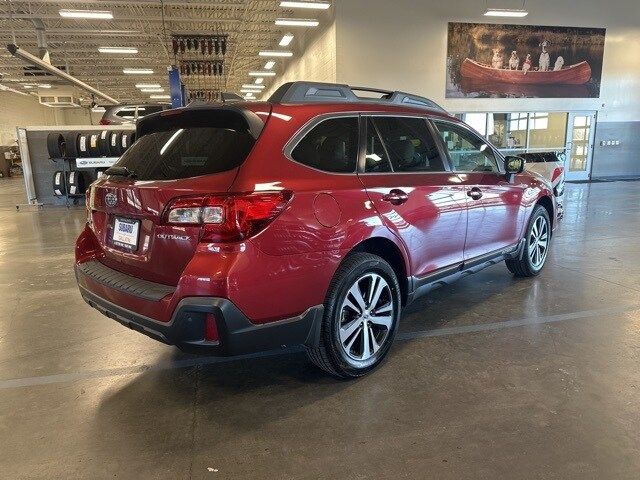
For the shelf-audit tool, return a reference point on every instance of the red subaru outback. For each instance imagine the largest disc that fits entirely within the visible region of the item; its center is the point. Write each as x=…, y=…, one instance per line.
x=310, y=219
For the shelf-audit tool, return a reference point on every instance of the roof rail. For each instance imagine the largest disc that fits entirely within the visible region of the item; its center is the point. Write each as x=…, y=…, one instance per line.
x=312, y=92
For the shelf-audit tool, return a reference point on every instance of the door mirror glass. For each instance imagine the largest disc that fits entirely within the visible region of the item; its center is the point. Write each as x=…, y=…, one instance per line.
x=513, y=164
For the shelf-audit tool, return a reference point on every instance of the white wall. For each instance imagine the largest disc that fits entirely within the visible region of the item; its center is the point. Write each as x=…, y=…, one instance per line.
x=18, y=110
x=401, y=45
x=317, y=63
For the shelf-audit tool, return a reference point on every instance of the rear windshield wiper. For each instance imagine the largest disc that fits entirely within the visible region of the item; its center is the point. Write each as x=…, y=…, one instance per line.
x=120, y=172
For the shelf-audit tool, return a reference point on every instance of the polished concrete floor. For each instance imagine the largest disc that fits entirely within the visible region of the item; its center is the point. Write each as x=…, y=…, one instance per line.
x=491, y=378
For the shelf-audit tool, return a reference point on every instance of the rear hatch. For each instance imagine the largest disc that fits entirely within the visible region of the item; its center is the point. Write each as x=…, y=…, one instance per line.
x=179, y=153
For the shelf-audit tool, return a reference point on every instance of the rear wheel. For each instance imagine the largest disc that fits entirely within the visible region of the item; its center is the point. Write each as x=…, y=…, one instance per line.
x=361, y=316
x=536, y=248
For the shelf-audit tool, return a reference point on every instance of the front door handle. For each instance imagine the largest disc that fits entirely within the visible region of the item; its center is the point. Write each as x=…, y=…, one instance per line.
x=475, y=193
x=395, y=197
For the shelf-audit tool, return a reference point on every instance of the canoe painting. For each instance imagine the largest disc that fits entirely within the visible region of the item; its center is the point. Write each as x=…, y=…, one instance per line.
x=577, y=74
x=479, y=57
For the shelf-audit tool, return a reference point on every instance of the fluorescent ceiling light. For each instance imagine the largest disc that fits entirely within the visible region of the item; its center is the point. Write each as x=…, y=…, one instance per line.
x=250, y=85
x=269, y=65
x=44, y=85
x=505, y=12
x=259, y=80
x=152, y=90
x=117, y=50
x=297, y=22
x=286, y=40
x=275, y=53
x=99, y=14
x=160, y=97
x=262, y=74
x=98, y=109
x=28, y=86
x=137, y=71
x=309, y=5
x=148, y=85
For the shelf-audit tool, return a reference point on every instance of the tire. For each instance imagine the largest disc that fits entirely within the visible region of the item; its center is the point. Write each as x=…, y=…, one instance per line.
x=125, y=141
x=56, y=146
x=59, y=183
x=83, y=145
x=344, y=354
x=530, y=264
x=103, y=143
x=71, y=144
x=115, y=139
x=94, y=146
x=76, y=183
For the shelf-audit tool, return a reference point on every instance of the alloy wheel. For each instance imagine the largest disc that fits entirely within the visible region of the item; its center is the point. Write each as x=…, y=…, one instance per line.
x=538, y=242
x=366, y=317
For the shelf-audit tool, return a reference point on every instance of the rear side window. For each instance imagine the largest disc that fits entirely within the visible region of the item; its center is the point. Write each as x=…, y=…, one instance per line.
x=401, y=144
x=128, y=113
x=186, y=152
x=145, y=110
x=332, y=146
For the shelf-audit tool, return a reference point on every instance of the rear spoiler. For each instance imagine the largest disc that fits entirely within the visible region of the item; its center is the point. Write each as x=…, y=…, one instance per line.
x=232, y=117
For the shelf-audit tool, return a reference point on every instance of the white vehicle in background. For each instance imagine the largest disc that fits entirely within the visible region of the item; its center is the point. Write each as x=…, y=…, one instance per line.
x=549, y=165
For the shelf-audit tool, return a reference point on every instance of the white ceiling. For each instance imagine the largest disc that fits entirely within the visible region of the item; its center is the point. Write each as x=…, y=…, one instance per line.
x=74, y=42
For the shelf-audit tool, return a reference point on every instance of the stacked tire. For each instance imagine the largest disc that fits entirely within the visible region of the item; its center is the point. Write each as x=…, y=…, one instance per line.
x=105, y=143
x=69, y=183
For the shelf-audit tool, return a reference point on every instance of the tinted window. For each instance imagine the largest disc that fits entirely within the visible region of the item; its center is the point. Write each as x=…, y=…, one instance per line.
x=186, y=152
x=148, y=109
x=332, y=146
x=407, y=143
x=468, y=152
x=376, y=158
x=128, y=113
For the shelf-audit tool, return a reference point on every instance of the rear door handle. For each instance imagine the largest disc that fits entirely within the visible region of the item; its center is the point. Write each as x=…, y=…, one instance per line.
x=475, y=193
x=395, y=197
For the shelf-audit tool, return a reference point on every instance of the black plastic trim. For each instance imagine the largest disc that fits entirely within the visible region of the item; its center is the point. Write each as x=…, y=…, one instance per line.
x=445, y=276
x=111, y=278
x=237, y=334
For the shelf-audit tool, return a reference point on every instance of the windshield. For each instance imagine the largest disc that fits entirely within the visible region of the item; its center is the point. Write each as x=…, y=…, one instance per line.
x=186, y=152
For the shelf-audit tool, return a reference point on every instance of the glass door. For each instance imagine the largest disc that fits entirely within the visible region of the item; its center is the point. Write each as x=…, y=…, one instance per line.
x=579, y=146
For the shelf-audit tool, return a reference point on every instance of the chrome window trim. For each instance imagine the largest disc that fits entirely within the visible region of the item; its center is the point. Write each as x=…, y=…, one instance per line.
x=466, y=127
x=297, y=137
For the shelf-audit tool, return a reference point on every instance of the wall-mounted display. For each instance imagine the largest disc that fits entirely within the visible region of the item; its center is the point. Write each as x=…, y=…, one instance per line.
x=492, y=61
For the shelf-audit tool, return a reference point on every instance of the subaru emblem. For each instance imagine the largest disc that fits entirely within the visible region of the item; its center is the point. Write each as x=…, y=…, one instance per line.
x=110, y=199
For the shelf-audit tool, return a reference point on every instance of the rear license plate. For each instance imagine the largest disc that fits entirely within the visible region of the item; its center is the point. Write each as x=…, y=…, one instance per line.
x=125, y=233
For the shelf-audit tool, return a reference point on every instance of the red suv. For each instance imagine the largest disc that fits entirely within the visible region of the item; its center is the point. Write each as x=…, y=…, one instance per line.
x=310, y=219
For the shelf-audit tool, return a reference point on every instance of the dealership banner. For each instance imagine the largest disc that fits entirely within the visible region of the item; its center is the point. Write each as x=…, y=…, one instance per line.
x=523, y=61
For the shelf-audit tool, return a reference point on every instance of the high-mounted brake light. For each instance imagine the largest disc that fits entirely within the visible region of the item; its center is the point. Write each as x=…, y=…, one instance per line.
x=227, y=218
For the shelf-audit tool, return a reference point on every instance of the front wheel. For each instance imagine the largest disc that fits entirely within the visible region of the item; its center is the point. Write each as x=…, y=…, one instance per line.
x=536, y=247
x=361, y=315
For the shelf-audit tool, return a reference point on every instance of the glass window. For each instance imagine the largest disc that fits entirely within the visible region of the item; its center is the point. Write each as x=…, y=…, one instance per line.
x=332, y=146
x=547, y=131
x=186, y=152
x=468, y=152
x=148, y=110
x=477, y=121
x=404, y=142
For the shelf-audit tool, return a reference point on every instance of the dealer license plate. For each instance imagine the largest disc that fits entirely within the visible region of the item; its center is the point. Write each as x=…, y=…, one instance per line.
x=125, y=233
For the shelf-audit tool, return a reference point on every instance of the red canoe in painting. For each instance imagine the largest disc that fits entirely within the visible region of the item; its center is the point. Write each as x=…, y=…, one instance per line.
x=577, y=74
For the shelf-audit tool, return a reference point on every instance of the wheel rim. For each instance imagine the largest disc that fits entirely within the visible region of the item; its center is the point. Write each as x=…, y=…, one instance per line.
x=366, y=317
x=538, y=242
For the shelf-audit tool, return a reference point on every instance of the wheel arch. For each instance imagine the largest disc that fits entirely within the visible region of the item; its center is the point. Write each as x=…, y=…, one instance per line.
x=393, y=255
x=546, y=202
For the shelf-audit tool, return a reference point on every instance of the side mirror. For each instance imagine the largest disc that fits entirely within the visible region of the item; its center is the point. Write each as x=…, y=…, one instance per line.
x=513, y=165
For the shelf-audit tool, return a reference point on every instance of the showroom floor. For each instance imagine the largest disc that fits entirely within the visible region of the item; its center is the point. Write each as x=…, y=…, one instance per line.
x=492, y=377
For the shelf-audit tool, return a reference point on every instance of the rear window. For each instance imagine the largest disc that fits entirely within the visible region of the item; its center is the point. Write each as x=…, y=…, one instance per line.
x=186, y=152
x=332, y=146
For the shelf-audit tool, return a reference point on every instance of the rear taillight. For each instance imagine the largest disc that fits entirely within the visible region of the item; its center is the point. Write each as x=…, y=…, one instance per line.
x=104, y=122
x=227, y=218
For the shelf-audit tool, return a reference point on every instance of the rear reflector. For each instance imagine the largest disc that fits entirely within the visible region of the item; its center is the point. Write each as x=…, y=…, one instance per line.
x=210, y=328
x=228, y=218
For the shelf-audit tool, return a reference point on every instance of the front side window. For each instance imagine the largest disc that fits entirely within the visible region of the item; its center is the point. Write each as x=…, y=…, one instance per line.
x=401, y=144
x=468, y=152
x=331, y=146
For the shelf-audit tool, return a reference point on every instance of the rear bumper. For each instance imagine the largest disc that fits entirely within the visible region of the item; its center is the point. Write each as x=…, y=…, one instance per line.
x=236, y=334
